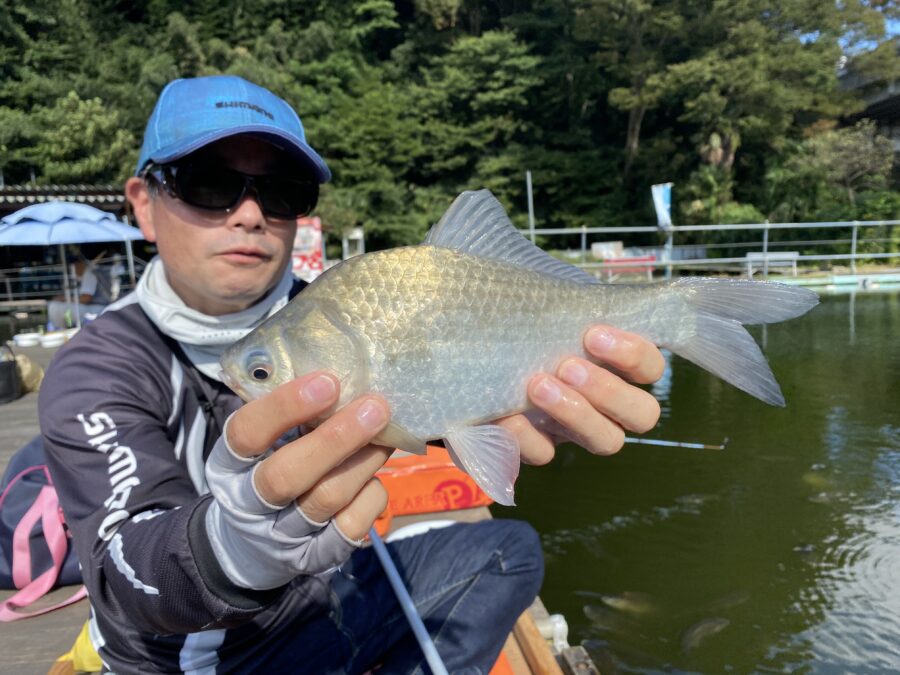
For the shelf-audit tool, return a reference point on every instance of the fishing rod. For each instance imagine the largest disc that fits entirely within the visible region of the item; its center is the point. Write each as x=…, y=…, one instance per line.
x=406, y=603
x=676, y=444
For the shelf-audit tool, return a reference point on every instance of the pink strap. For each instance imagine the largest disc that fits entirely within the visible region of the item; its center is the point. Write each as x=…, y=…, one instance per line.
x=45, y=507
x=21, y=475
x=8, y=608
x=21, y=554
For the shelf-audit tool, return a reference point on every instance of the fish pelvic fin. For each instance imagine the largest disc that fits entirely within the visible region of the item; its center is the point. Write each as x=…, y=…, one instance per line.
x=476, y=224
x=720, y=344
x=394, y=436
x=490, y=455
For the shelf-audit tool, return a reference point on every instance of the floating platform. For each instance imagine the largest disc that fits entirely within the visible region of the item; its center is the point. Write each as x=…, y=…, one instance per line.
x=846, y=281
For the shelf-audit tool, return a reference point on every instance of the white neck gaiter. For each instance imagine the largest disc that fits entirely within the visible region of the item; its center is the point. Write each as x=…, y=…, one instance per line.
x=203, y=337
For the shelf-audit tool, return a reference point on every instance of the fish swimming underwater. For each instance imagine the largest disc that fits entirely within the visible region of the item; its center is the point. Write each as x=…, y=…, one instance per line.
x=450, y=332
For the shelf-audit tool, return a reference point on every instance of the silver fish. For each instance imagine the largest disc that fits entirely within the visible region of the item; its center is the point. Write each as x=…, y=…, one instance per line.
x=450, y=332
x=701, y=630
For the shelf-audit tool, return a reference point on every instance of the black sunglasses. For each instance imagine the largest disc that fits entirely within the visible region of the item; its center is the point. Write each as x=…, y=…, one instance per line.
x=217, y=188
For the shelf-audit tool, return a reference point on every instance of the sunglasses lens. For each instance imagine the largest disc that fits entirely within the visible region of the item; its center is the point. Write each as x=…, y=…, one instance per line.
x=209, y=187
x=285, y=197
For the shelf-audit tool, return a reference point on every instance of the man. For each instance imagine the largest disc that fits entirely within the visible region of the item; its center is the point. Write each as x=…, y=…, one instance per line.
x=94, y=294
x=202, y=547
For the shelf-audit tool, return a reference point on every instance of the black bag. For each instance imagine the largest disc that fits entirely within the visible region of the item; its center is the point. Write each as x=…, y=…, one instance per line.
x=10, y=385
x=36, y=552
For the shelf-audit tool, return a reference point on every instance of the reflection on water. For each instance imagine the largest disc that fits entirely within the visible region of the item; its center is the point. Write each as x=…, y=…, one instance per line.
x=780, y=553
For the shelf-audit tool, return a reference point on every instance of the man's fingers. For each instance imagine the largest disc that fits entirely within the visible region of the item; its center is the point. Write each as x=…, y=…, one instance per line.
x=357, y=517
x=595, y=431
x=629, y=406
x=637, y=359
x=340, y=485
x=256, y=426
x=535, y=446
x=299, y=465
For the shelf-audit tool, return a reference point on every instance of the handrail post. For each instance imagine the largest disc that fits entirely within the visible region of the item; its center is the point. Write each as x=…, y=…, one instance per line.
x=129, y=254
x=583, y=244
x=766, y=250
x=853, y=248
x=530, y=205
x=668, y=253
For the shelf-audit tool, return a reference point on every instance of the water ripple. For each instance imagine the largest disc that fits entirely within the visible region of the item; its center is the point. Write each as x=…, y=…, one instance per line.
x=856, y=598
x=557, y=541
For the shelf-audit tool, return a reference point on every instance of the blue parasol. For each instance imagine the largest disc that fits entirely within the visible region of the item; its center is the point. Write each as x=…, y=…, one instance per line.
x=60, y=223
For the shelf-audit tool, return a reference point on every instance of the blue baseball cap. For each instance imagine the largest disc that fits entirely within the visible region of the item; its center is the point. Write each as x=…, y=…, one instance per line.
x=192, y=113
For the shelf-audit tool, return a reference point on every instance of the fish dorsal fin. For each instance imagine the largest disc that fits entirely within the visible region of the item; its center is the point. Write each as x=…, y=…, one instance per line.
x=477, y=224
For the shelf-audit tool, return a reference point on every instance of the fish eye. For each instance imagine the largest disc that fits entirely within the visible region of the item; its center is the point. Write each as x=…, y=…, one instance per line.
x=260, y=373
x=259, y=366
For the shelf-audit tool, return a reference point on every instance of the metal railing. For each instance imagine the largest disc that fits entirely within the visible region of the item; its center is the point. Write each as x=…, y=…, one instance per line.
x=43, y=282
x=863, y=242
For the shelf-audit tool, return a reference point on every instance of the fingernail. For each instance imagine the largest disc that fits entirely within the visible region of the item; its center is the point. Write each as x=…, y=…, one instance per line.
x=371, y=415
x=573, y=373
x=319, y=389
x=600, y=340
x=547, y=392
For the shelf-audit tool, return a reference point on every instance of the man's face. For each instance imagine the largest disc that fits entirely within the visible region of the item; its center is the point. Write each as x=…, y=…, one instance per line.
x=219, y=262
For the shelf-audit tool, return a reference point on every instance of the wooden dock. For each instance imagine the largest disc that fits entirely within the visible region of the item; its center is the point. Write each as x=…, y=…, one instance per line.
x=31, y=646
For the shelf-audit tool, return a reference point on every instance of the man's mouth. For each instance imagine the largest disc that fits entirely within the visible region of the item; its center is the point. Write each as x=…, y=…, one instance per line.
x=245, y=255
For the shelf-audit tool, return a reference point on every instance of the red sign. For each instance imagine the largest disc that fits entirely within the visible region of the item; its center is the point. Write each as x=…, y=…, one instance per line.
x=309, y=249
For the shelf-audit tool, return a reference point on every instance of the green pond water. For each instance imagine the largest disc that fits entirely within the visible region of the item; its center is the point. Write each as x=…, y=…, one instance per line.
x=780, y=553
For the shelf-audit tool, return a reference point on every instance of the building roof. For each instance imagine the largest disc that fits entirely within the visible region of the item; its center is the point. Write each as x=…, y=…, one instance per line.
x=106, y=197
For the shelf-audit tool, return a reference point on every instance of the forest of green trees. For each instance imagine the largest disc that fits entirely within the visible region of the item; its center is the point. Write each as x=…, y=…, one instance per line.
x=737, y=102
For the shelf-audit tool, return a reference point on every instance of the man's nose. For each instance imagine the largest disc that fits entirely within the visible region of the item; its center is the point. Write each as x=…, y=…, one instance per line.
x=248, y=213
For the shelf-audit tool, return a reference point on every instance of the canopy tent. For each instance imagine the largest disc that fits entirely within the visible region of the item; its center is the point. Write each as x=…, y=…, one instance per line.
x=60, y=223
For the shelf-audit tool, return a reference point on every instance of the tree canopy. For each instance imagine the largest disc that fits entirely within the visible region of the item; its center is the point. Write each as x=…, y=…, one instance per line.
x=735, y=101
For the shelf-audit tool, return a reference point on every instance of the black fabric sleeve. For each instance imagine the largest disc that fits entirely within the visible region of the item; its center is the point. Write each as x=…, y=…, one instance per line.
x=114, y=428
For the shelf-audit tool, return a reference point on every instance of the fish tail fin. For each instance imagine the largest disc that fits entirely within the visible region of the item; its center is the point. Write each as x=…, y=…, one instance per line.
x=720, y=344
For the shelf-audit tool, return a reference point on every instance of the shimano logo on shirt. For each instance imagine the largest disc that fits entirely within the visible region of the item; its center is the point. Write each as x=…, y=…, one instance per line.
x=101, y=433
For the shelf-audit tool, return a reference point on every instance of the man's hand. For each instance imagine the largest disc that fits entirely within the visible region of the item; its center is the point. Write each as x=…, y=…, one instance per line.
x=329, y=472
x=594, y=406
x=304, y=507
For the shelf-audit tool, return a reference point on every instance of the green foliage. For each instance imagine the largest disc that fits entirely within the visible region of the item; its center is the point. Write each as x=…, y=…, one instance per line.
x=735, y=101
x=82, y=141
x=823, y=174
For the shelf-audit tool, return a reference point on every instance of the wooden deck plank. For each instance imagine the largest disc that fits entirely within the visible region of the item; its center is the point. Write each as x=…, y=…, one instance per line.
x=30, y=646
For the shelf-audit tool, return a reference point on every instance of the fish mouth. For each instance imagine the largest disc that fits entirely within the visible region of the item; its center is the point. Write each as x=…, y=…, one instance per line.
x=235, y=386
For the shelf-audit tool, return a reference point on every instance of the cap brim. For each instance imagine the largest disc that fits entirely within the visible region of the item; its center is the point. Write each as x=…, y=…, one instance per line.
x=290, y=143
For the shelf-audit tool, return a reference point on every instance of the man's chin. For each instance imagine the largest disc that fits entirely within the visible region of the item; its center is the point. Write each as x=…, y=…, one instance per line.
x=243, y=296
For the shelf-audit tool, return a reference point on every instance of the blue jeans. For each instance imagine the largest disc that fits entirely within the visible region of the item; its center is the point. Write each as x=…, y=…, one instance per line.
x=470, y=582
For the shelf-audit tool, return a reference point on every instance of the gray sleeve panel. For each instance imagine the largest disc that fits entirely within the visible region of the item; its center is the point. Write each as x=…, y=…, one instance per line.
x=215, y=579
x=257, y=544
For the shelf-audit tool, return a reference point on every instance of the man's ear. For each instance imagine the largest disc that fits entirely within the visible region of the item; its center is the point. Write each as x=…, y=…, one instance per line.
x=138, y=194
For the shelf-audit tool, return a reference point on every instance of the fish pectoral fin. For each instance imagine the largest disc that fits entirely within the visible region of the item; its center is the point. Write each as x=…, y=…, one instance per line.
x=490, y=455
x=394, y=436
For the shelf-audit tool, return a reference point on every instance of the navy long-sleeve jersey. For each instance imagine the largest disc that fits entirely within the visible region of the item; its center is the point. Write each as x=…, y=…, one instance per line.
x=127, y=425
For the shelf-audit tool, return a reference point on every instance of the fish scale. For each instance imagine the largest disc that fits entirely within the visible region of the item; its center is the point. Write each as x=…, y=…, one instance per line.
x=452, y=339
